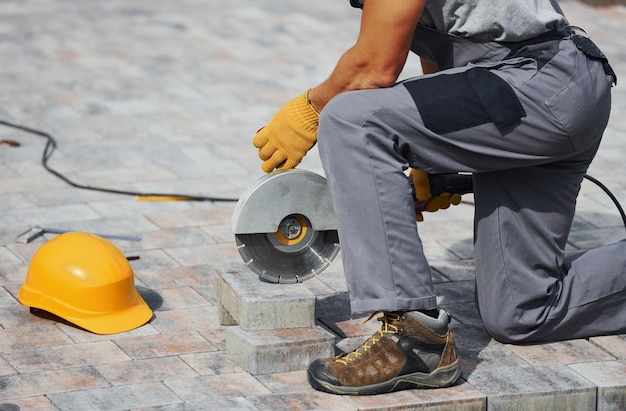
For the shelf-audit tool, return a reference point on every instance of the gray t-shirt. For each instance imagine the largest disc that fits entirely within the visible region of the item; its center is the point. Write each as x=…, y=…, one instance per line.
x=494, y=20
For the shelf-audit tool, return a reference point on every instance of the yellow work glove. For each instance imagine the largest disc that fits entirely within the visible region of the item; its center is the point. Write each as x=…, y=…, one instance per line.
x=292, y=132
x=426, y=201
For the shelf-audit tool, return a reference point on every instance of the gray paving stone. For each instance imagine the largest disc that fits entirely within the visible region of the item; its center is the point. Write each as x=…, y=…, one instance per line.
x=491, y=356
x=152, y=259
x=271, y=351
x=7, y=257
x=193, y=215
x=455, y=270
x=461, y=396
x=534, y=388
x=300, y=401
x=31, y=336
x=612, y=344
x=180, y=298
x=68, y=355
x=187, y=320
x=164, y=345
x=145, y=371
x=257, y=305
x=130, y=207
x=214, y=254
x=284, y=382
x=597, y=237
x=439, y=251
x=318, y=287
x=115, y=398
x=610, y=378
x=49, y=382
x=221, y=233
x=5, y=368
x=12, y=201
x=562, y=352
x=224, y=317
x=40, y=403
x=15, y=315
x=197, y=276
x=211, y=363
x=455, y=292
x=216, y=387
x=240, y=403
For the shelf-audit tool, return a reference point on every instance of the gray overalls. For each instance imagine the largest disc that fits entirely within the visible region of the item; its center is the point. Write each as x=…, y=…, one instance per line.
x=526, y=119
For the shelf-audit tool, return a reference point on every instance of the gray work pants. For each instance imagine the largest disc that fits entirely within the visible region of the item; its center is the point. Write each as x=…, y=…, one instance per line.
x=527, y=175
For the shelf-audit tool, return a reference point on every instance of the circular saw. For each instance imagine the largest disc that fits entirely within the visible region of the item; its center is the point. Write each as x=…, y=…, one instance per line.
x=285, y=226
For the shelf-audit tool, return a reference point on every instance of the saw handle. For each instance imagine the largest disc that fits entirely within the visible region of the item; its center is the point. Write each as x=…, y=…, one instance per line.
x=452, y=183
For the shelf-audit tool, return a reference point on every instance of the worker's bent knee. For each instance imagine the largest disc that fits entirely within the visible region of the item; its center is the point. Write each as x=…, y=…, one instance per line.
x=508, y=330
x=344, y=111
x=342, y=126
x=504, y=336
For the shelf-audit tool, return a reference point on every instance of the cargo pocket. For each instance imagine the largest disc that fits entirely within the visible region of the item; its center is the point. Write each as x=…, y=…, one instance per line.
x=582, y=106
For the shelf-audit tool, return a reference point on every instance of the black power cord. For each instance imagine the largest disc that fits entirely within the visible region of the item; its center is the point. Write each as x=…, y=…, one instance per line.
x=611, y=196
x=51, y=145
x=599, y=184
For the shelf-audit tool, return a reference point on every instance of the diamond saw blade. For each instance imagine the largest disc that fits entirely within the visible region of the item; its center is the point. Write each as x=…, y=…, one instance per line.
x=292, y=254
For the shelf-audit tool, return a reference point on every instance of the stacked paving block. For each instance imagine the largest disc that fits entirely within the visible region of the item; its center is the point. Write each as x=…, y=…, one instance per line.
x=272, y=326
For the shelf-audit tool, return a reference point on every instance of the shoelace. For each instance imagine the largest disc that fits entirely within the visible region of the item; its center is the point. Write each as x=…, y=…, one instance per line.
x=385, y=328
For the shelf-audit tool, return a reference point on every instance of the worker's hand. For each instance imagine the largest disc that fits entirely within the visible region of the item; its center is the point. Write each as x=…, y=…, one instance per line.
x=426, y=201
x=292, y=132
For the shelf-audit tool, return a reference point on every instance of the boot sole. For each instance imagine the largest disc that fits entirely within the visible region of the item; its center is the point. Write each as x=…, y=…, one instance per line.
x=439, y=378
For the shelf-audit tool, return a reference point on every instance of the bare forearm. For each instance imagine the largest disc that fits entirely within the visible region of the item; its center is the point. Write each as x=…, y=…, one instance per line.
x=379, y=55
x=353, y=72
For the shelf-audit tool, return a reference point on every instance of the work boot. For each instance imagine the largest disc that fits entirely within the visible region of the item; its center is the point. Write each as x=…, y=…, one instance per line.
x=411, y=350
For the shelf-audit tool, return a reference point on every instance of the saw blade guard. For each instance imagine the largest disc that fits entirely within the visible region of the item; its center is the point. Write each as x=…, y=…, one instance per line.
x=281, y=193
x=285, y=226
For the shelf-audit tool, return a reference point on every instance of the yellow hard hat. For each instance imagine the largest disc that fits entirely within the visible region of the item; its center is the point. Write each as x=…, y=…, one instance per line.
x=87, y=281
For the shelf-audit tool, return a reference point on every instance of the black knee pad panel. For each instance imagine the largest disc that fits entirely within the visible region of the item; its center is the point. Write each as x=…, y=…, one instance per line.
x=453, y=102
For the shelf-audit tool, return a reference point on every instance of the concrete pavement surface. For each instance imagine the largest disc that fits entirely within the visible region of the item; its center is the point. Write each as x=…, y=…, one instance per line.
x=165, y=96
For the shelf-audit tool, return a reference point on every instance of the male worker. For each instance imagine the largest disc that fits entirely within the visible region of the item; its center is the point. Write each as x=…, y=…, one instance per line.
x=512, y=94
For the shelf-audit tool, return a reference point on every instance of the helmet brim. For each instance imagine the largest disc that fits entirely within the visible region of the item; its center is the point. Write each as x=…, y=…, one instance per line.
x=130, y=317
